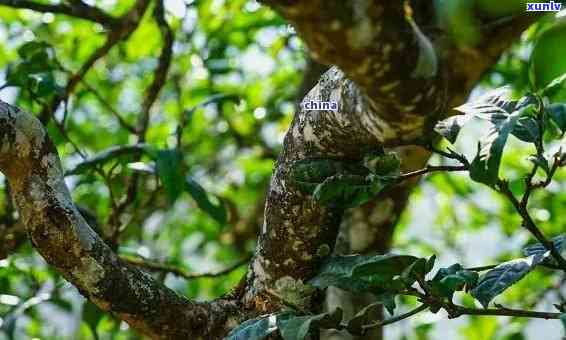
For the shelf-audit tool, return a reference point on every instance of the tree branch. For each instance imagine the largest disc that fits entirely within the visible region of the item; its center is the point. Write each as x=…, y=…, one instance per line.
x=57, y=230
x=77, y=9
x=165, y=268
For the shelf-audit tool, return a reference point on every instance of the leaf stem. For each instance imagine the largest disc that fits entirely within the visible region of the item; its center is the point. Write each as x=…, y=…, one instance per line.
x=530, y=224
x=398, y=318
x=432, y=168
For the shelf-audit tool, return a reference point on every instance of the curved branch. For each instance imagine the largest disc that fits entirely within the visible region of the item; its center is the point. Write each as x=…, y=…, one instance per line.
x=77, y=9
x=57, y=230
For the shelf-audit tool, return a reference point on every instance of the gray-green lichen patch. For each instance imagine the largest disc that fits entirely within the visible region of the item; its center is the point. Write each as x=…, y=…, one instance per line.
x=29, y=133
x=294, y=291
x=88, y=274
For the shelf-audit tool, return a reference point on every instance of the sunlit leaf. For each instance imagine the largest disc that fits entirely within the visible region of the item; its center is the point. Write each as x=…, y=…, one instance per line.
x=485, y=166
x=497, y=280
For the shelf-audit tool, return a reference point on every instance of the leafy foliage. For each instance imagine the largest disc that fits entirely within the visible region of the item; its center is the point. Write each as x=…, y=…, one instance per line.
x=297, y=328
x=346, y=184
x=362, y=273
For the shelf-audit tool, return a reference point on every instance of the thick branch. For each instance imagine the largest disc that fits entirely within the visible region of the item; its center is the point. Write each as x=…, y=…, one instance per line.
x=57, y=230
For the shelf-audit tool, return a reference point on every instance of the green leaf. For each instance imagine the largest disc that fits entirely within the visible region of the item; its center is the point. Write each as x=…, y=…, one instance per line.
x=538, y=249
x=297, y=328
x=485, y=166
x=493, y=104
x=557, y=113
x=497, y=280
x=364, y=317
x=450, y=128
x=92, y=316
x=541, y=161
x=259, y=328
x=547, y=62
x=388, y=301
x=416, y=270
x=29, y=49
x=383, y=164
x=563, y=320
x=363, y=272
x=527, y=128
x=307, y=174
x=344, y=190
x=427, y=63
x=201, y=197
x=555, y=88
x=169, y=166
x=43, y=85
x=430, y=264
x=452, y=279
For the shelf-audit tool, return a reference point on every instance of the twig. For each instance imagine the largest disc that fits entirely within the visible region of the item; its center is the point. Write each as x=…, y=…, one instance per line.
x=123, y=123
x=162, y=267
x=160, y=74
x=432, y=168
x=482, y=268
x=530, y=224
x=77, y=9
x=396, y=318
x=108, y=154
x=460, y=310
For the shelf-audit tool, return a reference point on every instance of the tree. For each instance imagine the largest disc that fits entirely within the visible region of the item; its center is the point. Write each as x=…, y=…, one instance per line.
x=398, y=68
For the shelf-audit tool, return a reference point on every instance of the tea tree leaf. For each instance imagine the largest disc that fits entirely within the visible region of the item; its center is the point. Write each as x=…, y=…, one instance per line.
x=450, y=127
x=383, y=164
x=452, y=279
x=493, y=104
x=497, y=280
x=363, y=272
x=538, y=249
x=259, y=328
x=557, y=113
x=297, y=328
x=216, y=211
x=170, y=171
x=485, y=166
x=307, y=174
